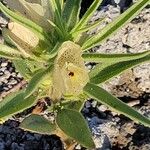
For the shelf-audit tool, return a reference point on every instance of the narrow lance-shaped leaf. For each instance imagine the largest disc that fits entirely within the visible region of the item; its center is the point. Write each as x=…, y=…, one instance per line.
x=7, y=40
x=15, y=103
x=68, y=121
x=25, y=22
x=71, y=12
x=38, y=124
x=111, y=58
x=59, y=6
x=36, y=81
x=62, y=3
x=88, y=27
x=47, y=7
x=57, y=14
x=22, y=67
x=10, y=53
x=111, y=28
x=109, y=71
x=112, y=102
x=58, y=30
x=84, y=20
x=54, y=52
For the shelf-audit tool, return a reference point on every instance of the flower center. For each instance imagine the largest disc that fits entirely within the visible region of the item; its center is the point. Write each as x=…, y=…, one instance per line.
x=71, y=74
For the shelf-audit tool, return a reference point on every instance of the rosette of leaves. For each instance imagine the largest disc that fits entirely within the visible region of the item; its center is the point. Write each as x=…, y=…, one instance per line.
x=48, y=43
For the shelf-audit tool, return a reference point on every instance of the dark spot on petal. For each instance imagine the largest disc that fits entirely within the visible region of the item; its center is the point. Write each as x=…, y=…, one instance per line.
x=71, y=74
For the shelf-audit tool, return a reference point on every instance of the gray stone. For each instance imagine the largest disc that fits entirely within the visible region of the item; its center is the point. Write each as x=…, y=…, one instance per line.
x=2, y=146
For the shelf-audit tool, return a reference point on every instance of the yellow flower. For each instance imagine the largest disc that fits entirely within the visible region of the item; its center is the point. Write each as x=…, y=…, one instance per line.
x=70, y=74
x=21, y=37
x=36, y=10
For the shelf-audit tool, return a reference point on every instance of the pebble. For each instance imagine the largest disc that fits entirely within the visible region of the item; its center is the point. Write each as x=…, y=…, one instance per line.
x=104, y=130
x=4, y=64
x=2, y=146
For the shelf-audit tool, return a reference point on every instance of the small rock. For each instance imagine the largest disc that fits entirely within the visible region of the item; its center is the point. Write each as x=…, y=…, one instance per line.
x=2, y=146
x=4, y=64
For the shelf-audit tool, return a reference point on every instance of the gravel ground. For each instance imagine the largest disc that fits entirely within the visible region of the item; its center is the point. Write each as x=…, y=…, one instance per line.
x=110, y=130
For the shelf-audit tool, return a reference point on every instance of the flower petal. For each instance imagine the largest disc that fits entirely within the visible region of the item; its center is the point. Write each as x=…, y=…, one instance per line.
x=75, y=78
x=70, y=74
x=32, y=11
x=22, y=36
x=58, y=84
x=70, y=53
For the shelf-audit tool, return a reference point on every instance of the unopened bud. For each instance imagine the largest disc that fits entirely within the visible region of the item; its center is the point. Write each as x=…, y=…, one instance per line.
x=23, y=36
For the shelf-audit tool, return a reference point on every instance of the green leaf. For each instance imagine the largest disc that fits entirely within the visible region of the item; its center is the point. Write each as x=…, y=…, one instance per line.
x=102, y=73
x=111, y=28
x=57, y=14
x=36, y=81
x=38, y=124
x=54, y=52
x=7, y=40
x=114, y=103
x=88, y=27
x=58, y=30
x=75, y=105
x=59, y=5
x=22, y=67
x=25, y=22
x=73, y=124
x=62, y=3
x=71, y=12
x=10, y=53
x=112, y=58
x=15, y=103
x=89, y=13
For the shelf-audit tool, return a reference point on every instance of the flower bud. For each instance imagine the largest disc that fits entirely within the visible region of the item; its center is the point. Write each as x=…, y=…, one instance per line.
x=22, y=36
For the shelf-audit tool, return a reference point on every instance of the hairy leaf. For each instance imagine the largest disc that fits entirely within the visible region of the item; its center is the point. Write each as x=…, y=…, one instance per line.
x=10, y=53
x=23, y=68
x=112, y=102
x=111, y=28
x=104, y=73
x=57, y=13
x=84, y=20
x=71, y=12
x=67, y=121
x=112, y=58
x=88, y=27
x=36, y=81
x=15, y=103
x=38, y=124
x=75, y=105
